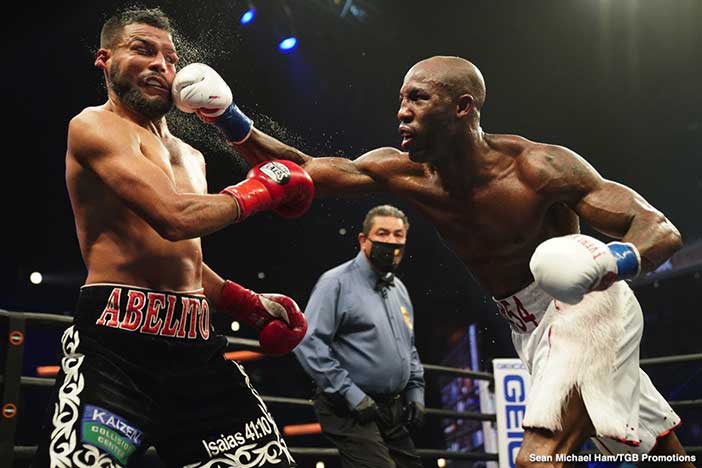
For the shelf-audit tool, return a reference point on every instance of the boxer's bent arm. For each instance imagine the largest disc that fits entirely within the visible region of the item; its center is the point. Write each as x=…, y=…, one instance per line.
x=103, y=145
x=332, y=175
x=619, y=211
x=212, y=283
x=612, y=208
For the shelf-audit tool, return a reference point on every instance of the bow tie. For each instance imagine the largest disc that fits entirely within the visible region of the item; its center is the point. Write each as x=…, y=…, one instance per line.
x=385, y=282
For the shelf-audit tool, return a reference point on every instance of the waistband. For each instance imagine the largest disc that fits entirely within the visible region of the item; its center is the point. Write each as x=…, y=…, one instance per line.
x=384, y=398
x=524, y=309
x=341, y=405
x=183, y=316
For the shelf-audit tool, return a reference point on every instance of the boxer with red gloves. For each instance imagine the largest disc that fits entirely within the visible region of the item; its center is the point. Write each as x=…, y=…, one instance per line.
x=281, y=323
x=142, y=337
x=282, y=186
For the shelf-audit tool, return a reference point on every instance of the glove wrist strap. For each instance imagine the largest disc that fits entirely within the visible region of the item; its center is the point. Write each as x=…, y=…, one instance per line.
x=252, y=197
x=235, y=125
x=241, y=303
x=628, y=259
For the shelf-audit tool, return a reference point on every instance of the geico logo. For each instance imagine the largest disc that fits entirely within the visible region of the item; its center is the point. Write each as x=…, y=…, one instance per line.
x=514, y=388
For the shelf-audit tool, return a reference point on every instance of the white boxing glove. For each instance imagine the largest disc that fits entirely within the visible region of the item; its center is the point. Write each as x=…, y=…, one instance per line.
x=198, y=88
x=571, y=266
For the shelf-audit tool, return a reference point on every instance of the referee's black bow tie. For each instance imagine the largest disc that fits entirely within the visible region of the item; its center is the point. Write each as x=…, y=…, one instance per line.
x=385, y=282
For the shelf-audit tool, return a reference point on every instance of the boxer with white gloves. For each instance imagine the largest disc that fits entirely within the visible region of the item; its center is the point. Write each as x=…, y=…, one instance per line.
x=494, y=198
x=569, y=267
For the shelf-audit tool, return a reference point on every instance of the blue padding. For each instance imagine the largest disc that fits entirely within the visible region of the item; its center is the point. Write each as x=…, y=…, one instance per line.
x=234, y=124
x=627, y=259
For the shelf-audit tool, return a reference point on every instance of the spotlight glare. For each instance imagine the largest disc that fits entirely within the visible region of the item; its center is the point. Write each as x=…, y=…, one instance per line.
x=235, y=326
x=36, y=278
x=319, y=464
x=248, y=16
x=441, y=462
x=287, y=44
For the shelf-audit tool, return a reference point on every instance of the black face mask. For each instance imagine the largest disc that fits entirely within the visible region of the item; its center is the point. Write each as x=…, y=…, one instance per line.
x=386, y=256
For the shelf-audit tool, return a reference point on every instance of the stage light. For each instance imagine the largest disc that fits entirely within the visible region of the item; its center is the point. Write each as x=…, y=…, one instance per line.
x=248, y=16
x=287, y=44
x=235, y=326
x=36, y=278
x=284, y=28
x=249, y=13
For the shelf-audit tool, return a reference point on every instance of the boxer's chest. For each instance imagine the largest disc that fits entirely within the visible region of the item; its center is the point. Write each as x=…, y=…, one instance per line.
x=184, y=167
x=497, y=218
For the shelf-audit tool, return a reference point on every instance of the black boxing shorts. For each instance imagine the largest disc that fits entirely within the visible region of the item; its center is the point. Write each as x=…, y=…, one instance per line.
x=142, y=368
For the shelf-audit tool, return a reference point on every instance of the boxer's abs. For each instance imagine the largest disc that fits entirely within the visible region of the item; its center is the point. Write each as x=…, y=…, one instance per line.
x=496, y=237
x=148, y=261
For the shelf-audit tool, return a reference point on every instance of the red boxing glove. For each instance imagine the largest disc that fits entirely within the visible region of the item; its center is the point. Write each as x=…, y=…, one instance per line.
x=280, y=185
x=281, y=323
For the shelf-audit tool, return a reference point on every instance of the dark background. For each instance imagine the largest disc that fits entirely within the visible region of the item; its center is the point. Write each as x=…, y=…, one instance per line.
x=616, y=81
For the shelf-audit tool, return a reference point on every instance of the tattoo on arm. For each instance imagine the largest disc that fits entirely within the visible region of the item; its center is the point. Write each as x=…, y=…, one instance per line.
x=615, y=209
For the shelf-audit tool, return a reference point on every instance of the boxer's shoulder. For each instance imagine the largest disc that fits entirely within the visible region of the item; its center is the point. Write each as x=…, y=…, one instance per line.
x=548, y=168
x=102, y=114
x=99, y=126
x=90, y=133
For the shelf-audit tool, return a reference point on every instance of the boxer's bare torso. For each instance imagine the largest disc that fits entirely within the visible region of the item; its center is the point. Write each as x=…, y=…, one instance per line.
x=495, y=224
x=493, y=198
x=495, y=201
x=117, y=243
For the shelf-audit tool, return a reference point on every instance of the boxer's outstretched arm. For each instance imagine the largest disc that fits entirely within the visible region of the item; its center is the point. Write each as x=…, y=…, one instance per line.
x=331, y=175
x=200, y=89
x=611, y=208
x=101, y=142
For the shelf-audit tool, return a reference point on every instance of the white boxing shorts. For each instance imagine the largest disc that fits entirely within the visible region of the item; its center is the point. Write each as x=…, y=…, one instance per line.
x=592, y=346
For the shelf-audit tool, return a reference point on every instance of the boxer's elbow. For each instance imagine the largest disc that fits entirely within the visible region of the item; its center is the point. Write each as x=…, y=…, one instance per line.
x=668, y=236
x=171, y=230
x=665, y=241
x=171, y=225
x=673, y=238
x=174, y=233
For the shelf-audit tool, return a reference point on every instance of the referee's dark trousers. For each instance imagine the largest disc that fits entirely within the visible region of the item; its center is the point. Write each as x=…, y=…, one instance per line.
x=385, y=443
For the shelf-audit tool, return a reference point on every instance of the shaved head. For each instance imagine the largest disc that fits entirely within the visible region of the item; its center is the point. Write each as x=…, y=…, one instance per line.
x=440, y=104
x=455, y=75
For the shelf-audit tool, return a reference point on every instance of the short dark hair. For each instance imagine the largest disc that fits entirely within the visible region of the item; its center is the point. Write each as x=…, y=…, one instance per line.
x=113, y=27
x=383, y=210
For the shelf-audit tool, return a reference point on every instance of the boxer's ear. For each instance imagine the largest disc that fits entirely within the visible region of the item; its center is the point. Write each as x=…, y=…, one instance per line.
x=465, y=105
x=101, y=58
